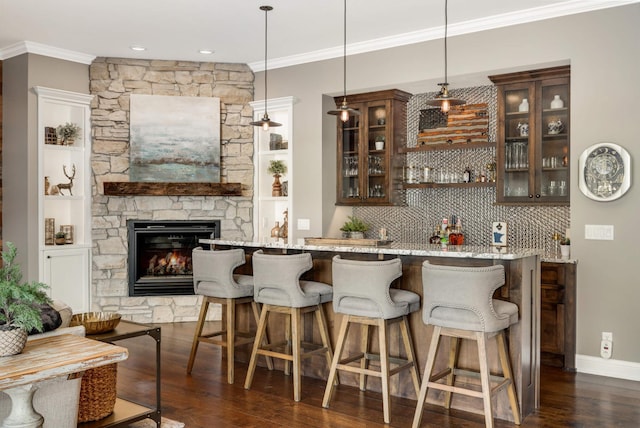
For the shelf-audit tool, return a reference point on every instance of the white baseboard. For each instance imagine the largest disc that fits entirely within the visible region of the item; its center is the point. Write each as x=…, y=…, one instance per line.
x=611, y=368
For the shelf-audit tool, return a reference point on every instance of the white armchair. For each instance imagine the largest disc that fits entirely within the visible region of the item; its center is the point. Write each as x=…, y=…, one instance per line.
x=56, y=400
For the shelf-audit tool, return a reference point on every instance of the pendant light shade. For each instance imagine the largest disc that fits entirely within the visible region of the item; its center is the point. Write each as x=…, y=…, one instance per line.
x=443, y=99
x=265, y=122
x=344, y=112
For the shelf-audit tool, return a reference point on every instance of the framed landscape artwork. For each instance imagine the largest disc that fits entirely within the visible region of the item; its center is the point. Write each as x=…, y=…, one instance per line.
x=174, y=139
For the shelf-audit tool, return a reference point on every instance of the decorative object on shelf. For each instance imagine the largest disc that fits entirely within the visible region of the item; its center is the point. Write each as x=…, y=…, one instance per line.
x=68, y=133
x=49, y=231
x=46, y=185
x=382, y=121
x=354, y=228
x=96, y=322
x=523, y=127
x=344, y=111
x=50, y=135
x=604, y=172
x=60, y=238
x=565, y=247
x=276, y=168
x=557, y=102
x=285, y=188
x=67, y=229
x=275, y=141
x=443, y=99
x=265, y=122
x=19, y=304
x=499, y=234
x=524, y=106
x=275, y=229
x=283, y=231
x=68, y=185
x=491, y=171
x=463, y=124
x=555, y=126
x=379, y=143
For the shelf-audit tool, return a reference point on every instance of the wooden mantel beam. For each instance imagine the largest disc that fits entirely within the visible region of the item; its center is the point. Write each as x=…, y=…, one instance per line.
x=139, y=188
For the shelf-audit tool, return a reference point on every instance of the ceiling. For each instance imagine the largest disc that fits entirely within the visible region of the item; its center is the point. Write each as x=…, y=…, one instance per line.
x=299, y=31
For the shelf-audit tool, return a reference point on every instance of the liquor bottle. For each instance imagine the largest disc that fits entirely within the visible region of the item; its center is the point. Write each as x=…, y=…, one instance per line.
x=435, y=238
x=466, y=175
x=444, y=232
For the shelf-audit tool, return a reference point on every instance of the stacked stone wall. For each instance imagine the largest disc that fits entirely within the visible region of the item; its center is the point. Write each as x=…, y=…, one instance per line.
x=112, y=82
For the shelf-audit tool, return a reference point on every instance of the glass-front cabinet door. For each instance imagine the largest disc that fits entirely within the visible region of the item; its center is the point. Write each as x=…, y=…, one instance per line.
x=367, y=148
x=533, y=137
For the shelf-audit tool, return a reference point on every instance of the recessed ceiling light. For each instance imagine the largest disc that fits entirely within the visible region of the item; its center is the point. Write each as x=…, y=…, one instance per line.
x=206, y=51
x=137, y=48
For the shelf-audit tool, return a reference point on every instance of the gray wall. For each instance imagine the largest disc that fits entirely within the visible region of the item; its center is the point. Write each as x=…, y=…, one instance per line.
x=20, y=149
x=602, y=50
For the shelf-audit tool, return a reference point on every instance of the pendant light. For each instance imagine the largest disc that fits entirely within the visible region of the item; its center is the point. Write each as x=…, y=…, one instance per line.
x=443, y=99
x=265, y=122
x=344, y=111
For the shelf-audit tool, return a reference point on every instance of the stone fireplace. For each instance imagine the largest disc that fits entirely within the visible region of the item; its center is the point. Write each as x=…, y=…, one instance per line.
x=112, y=80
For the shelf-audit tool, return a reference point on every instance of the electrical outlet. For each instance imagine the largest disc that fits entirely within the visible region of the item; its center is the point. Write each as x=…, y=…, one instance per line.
x=605, y=349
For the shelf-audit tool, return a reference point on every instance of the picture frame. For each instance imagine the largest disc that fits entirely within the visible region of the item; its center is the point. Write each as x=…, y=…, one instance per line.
x=499, y=234
x=604, y=172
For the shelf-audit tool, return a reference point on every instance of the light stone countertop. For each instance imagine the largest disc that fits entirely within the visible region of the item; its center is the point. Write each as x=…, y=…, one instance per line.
x=408, y=249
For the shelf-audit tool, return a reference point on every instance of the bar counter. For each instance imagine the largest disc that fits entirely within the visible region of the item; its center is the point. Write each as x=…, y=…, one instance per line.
x=522, y=287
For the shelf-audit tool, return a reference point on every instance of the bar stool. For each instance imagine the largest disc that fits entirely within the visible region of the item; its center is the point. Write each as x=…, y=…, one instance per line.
x=213, y=278
x=277, y=286
x=458, y=302
x=363, y=294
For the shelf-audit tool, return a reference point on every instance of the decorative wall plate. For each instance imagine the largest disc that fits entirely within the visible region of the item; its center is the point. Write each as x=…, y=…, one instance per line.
x=605, y=172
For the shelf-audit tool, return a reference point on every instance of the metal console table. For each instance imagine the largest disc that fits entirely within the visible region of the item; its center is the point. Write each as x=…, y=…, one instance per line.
x=125, y=411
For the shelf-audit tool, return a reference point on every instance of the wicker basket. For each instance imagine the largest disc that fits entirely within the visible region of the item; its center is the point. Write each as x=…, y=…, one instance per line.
x=96, y=322
x=97, y=393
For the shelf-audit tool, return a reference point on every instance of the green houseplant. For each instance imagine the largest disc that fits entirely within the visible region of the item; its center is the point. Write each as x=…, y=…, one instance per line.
x=276, y=168
x=68, y=133
x=19, y=304
x=354, y=228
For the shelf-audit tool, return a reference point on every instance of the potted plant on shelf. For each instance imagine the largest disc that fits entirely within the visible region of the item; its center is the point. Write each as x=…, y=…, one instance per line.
x=61, y=238
x=68, y=133
x=354, y=228
x=276, y=168
x=19, y=304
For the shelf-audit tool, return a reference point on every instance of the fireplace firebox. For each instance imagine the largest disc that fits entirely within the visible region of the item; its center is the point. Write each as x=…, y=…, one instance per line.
x=160, y=255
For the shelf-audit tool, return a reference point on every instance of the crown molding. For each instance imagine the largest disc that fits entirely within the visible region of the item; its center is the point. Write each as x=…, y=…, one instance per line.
x=45, y=50
x=482, y=24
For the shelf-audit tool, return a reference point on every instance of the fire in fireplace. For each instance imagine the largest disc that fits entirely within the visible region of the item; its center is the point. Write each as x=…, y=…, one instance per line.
x=160, y=255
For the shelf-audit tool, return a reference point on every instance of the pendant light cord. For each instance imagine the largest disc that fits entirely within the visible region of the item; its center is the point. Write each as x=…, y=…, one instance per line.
x=445, y=41
x=266, y=11
x=344, y=56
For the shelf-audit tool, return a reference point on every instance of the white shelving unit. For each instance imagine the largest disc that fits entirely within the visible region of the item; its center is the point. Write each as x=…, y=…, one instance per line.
x=65, y=268
x=267, y=209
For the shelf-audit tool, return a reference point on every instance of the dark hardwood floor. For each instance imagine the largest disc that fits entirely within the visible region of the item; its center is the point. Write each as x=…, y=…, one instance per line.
x=204, y=399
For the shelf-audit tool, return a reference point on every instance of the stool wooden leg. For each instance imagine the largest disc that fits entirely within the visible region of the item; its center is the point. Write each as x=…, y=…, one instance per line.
x=507, y=373
x=364, y=361
x=196, y=336
x=231, y=338
x=265, y=340
x=426, y=376
x=384, y=367
x=342, y=338
x=296, y=337
x=481, y=339
x=324, y=335
x=454, y=351
x=411, y=354
x=287, y=348
x=262, y=326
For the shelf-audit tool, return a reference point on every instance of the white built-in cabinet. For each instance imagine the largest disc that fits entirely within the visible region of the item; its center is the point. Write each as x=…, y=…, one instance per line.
x=275, y=144
x=65, y=268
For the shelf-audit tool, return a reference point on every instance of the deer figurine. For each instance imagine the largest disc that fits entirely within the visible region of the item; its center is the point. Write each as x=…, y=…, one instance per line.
x=68, y=185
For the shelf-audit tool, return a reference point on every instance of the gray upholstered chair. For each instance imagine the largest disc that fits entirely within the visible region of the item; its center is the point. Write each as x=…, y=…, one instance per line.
x=215, y=281
x=278, y=287
x=362, y=293
x=458, y=302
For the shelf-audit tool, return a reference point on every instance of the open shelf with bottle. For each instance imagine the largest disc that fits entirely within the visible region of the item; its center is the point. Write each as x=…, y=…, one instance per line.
x=533, y=151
